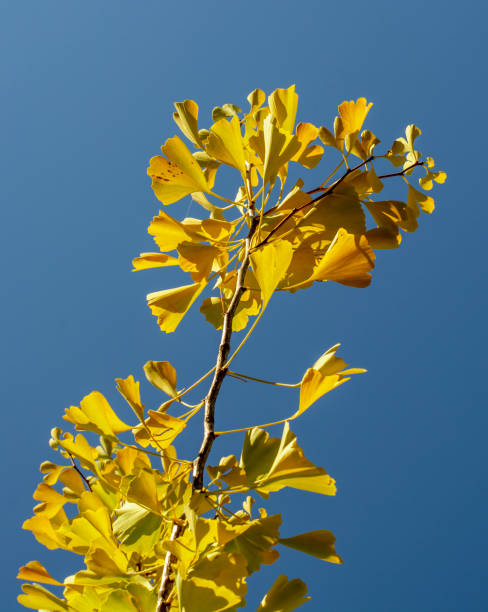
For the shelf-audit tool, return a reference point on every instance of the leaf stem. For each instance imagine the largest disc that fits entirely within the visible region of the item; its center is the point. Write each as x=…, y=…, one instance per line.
x=261, y=380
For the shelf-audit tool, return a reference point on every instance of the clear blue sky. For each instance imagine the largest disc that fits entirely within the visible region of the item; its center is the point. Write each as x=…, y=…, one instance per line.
x=87, y=99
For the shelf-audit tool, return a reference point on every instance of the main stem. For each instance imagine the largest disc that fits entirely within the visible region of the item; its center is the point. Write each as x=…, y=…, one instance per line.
x=166, y=586
x=220, y=370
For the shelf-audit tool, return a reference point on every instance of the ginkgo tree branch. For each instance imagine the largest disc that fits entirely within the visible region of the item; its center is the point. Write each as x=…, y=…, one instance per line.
x=402, y=172
x=328, y=192
x=166, y=586
x=220, y=369
x=83, y=477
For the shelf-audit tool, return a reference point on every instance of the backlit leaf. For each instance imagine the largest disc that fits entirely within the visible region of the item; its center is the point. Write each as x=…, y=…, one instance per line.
x=353, y=115
x=171, y=305
x=327, y=373
x=176, y=175
x=162, y=375
x=348, y=261
x=153, y=260
x=270, y=264
x=308, y=155
x=37, y=572
x=214, y=584
x=257, y=542
x=198, y=259
x=159, y=430
x=168, y=233
x=225, y=143
x=318, y=543
x=284, y=596
x=186, y=118
x=279, y=149
x=37, y=597
x=137, y=528
x=272, y=464
x=46, y=530
x=95, y=414
x=283, y=105
x=129, y=389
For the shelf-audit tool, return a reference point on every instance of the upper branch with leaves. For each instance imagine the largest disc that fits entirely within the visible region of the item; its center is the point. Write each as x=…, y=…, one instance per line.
x=160, y=533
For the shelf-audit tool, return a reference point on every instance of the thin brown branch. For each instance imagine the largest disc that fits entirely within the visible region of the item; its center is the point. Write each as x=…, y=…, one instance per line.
x=220, y=370
x=166, y=586
x=84, y=478
x=326, y=193
x=402, y=172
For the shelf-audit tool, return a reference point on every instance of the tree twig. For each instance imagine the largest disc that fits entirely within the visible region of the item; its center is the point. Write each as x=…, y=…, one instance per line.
x=220, y=370
x=402, y=172
x=84, y=478
x=166, y=586
x=326, y=193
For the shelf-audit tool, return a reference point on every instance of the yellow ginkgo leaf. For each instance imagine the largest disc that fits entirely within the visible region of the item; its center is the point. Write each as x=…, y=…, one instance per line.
x=36, y=572
x=51, y=500
x=142, y=490
x=352, y=115
x=95, y=414
x=171, y=305
x=319, y=543
x=257, y=541
x=38, y=598
x=153, y=260
x=168, y=233
x=46, y=530
x=418, y=199
x=176, y=175
x=279, y=149
x=74, y=482
x=284, y=596
x=308, y=156
x=51, y=472
x=198, y=259
x=327, y=373
x=162, y=375
x=348, y=261
x=313, y=386
x=225, y=144
x=283, y=104
x=186, y=118
x=256, y=99
x=390, y=215
x=159, y=429
x=269, y=265
x=341, y=210
x=213, y=584
x=129, y=389
x=272, y=464
x=328, y=138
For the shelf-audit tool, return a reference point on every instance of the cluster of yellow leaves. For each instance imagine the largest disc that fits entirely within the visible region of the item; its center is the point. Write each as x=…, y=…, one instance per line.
x=302, y=236
x=123, y=512
x=126, y=493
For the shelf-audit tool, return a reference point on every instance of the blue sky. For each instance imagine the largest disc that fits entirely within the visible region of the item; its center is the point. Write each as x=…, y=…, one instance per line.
x=87, y=98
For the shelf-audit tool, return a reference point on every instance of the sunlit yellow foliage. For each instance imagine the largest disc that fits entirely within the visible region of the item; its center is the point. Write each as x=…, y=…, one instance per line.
x=154, y=535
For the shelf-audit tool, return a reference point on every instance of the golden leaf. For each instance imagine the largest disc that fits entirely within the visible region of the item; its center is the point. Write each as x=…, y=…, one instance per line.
x=95, y=414
x=37, y=572
x=171, y=305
